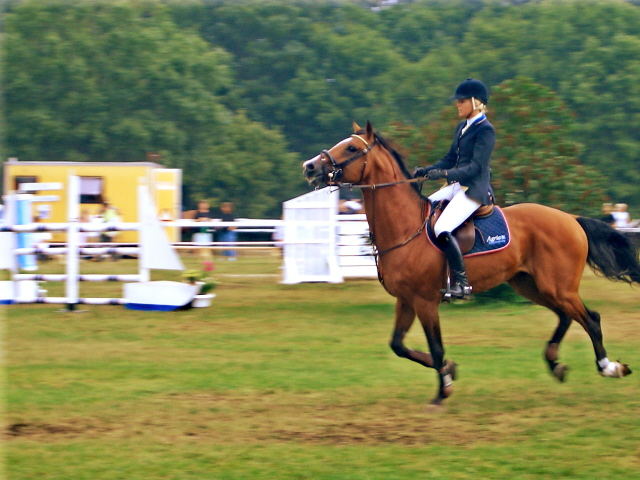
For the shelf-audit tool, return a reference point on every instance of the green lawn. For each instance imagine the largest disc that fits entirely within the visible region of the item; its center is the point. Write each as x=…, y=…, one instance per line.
x=297, y=382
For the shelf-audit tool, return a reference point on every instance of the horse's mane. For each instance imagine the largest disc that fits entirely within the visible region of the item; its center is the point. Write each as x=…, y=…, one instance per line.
x=397, y=157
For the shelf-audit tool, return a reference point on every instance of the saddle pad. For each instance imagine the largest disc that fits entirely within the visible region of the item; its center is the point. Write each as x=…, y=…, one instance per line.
x=492, y=234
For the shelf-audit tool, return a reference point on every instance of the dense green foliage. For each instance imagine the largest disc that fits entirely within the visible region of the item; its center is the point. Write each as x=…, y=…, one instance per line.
x=237, y=93
x=113, y=82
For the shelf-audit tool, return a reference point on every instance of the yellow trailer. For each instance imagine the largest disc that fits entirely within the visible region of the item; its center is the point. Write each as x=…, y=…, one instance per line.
x=114, y=183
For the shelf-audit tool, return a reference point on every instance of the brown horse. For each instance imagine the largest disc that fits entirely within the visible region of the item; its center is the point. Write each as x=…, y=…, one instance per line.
x=544, y=261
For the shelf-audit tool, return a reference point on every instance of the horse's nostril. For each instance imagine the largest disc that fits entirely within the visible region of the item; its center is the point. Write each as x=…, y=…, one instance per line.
x=310, y=166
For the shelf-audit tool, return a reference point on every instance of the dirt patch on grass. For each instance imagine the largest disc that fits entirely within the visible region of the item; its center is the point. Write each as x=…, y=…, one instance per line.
x=272, y=418
x=395, y=431
x=344, y=417
x=46, y=431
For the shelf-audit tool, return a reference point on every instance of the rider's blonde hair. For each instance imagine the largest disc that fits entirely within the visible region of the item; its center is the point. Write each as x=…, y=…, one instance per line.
x=478, y=105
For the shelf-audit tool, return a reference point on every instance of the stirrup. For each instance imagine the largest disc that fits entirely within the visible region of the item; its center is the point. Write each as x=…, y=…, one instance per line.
x=460, y=289
x=458, y=292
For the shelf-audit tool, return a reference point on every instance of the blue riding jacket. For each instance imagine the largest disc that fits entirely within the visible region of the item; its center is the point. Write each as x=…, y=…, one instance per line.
x=468, y=160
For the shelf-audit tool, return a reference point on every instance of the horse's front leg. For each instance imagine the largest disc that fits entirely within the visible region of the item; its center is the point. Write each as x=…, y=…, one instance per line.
x=405, y=315
x=428, y=314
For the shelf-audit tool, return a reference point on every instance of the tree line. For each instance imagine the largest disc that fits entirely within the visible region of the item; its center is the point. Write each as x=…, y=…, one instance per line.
x=238, y=93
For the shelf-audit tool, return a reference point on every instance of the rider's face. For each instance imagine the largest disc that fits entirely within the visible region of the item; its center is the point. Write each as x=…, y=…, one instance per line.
x=465, y=107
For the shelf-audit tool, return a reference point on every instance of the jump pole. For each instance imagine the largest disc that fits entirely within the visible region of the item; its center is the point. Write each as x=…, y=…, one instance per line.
x=73, y=255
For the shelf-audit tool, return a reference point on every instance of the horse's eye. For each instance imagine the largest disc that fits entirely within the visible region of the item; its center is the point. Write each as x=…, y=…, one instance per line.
x=352, y=149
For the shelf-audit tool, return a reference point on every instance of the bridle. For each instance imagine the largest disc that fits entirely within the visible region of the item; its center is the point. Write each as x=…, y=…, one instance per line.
x=336, y=174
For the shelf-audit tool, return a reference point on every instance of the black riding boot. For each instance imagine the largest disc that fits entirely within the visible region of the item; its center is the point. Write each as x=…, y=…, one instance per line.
x=460, y=287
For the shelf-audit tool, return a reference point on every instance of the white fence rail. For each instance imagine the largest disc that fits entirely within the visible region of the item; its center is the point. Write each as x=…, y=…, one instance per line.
x=154, y=250
x=318, y=245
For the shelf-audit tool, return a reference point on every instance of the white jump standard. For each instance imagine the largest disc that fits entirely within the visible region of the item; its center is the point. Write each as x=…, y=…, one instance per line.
x=154, y=252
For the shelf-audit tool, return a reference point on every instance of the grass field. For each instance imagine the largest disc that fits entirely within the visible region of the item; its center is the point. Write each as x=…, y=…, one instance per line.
x=297, y=382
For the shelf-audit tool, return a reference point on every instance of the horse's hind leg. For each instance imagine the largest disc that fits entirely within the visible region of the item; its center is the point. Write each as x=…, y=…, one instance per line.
x=525, y=286
x=568, y=307
x=591, y=323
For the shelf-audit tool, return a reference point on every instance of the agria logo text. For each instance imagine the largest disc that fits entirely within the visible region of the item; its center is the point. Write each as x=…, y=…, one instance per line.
x=492, y=240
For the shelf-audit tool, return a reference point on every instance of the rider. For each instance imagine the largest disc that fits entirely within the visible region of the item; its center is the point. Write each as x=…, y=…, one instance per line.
x=466, y=170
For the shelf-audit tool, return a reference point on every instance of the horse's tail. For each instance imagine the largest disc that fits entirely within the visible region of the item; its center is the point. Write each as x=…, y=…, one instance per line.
x=610, y=253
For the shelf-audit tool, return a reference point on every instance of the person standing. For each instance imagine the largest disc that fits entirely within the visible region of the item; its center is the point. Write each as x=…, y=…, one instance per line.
x=466, y=169
x=203, y=236
x=227, y=233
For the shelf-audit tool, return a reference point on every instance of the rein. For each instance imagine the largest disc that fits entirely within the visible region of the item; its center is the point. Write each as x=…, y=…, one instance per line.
x=379, y=253
x=335, y=175
x=374, y=186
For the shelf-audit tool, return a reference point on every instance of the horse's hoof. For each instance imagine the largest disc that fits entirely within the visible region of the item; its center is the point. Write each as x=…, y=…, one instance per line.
x=450, y=368
x=560, y=372
x=626, y=370
x=447, y=390
x=616, y=370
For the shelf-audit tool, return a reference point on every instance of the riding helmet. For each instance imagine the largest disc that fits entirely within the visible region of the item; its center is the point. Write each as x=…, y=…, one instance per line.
x=472, y=88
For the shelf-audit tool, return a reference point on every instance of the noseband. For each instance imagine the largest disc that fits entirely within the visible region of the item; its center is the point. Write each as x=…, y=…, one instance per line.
x=334, y=179
x=336, y=174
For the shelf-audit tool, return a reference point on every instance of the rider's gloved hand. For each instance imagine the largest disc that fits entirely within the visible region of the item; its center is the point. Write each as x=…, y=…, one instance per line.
x=420, y=172
x=436, y=173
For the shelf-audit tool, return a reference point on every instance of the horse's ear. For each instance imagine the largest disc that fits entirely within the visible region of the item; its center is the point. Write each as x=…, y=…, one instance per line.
x=356, y=127
x=369, y=129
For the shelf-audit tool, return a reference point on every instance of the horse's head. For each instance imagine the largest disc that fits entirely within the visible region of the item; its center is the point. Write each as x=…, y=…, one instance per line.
x=345, y=162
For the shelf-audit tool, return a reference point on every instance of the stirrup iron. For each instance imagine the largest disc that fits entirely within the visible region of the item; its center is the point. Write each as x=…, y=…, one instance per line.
x=449, y=294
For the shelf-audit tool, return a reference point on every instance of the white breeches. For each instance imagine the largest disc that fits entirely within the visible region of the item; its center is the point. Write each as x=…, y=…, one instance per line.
x=459, y=209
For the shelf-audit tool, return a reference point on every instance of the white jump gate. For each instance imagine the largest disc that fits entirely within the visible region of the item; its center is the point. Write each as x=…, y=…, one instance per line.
x=355, y=252
x=319, y=245
x=154, y=252
x=322, y=246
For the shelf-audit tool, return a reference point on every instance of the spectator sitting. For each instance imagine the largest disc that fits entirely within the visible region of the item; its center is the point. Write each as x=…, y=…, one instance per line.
x=621, y=216
x=109, y=215
x=87, y=237
x=607, y=217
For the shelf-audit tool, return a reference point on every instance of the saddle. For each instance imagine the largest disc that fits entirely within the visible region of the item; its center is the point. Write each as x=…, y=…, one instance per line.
x=465, y=234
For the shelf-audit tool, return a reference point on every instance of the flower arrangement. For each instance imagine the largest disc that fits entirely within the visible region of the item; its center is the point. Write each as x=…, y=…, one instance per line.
x=201, y=277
